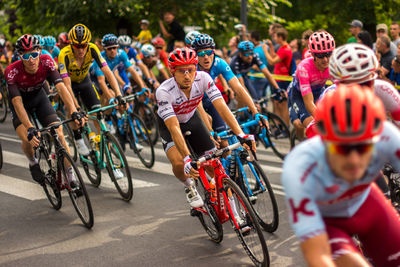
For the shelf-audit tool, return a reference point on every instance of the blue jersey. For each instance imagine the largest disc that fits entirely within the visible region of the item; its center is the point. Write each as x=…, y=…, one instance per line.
x=218, y=67
x=240, y=68
x=121, y=59
x=132, y=54
x=313, y=192
x=56, y=52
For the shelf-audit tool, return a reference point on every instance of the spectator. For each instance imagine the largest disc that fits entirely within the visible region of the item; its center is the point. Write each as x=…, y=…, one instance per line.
x=385, y=56
x=365, y=38
x=295, y=45
x=304, y=41
x=144, y=36
x=272, y=34
x=233, y=50
x=395, y=72
x=355, y=28
x=256, y=77
x=382, y=29
x=394, y=32
x=179, y=44
x=174, y=32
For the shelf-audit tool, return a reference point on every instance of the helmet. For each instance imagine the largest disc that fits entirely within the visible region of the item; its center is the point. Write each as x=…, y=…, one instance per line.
x=63, y=37
x=182, y=56
x=109, y=40
x=148, y=50
x=245, y=46
x=353, y=62
x=158, y=41
x=2, y=43
x=190, y=36
x=49, y=41
x=26, y=43
x=203, y=41
x=349, y=114
x=321, y=42
x=40, y=38
x=79, y=34
x=124, y=40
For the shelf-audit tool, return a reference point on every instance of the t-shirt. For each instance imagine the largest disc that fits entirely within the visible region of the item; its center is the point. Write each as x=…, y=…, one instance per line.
x=386, y=61
x=144, y=36
x=177, y=32
x=260, y=52
x=352, y=39
x=285, y=54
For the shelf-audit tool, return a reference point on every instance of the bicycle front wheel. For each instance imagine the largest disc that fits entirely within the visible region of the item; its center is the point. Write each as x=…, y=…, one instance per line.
x=72, y=180
x=279, y=137
x=117, y=167
x=1, y=157
x=245, y=223
x=149, y=118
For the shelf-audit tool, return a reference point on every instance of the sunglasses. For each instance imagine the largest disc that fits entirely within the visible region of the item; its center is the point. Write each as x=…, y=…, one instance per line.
x=184, y=71
x=205, y=52
x=79, y=46
x=49, y=47
x=322, y=55
x=248, y=54
x=111, y=48
x=345, y=150
x=32, y=55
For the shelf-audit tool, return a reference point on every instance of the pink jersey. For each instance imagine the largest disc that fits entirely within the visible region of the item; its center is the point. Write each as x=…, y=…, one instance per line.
x=309, y=78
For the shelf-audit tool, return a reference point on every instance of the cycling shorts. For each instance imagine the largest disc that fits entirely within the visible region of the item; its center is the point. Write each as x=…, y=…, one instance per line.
x=297, y=104
x=376, y=224
x=87, y=93
x=36, y=103
x=218, y=124
x=199, y=139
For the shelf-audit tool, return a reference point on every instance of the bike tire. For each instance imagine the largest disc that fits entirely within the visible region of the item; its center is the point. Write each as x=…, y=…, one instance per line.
x=149, y=118
x=3, y=105
x=278, y=137
x=141, y=138
x=78, y=195
x=114, y=154
x=92, y=170
x=1, y=157
x=69, y=136
x=252, y=240
x=262, y=200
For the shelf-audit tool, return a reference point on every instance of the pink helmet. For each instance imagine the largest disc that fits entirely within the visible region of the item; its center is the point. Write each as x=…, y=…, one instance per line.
x=321, y=42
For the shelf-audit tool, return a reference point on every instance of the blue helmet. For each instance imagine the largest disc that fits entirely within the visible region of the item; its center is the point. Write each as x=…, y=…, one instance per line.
x=203, y=41
x=49, y=41
x=190, y=36
x=109, y=40
x=40, y=38
x=245, y=46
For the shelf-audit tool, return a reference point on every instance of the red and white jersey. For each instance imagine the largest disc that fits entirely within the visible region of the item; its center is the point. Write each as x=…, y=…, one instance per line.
x=173, y=102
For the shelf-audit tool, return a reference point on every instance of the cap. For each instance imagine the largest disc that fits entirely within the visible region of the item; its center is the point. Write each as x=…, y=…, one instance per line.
x=382, y=27
x=356, y=23
x=144, y=21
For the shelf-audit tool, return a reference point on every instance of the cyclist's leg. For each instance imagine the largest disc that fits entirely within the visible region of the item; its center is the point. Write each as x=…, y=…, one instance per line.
x=294, y=119
x=281, y=108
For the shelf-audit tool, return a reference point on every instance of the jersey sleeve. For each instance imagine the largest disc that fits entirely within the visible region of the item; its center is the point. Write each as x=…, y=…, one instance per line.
x=10, y=74
x=95, y=52
x=225, y=69
x=165, y=109
x=133, y=54
x=258, y=62
x=212, y=91
x=390, y=98
x=63, y=62
x=52, y=74
x=303, y=79
x=124, y=58
x=95, y=69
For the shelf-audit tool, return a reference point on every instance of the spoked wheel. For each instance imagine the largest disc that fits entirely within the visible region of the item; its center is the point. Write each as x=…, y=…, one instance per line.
x=146, y=113
x=279, y=137
x=50, y=186
x=69, y=137
x=3, y=105
x=1, y=157
x=73, y=182
x=139, y=140
x=117, y=167
x=208, y=216
x=259, y=192
x=90, y=164
x=245, y=224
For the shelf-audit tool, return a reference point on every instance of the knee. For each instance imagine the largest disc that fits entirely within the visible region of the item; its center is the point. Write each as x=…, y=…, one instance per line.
x=297, y=123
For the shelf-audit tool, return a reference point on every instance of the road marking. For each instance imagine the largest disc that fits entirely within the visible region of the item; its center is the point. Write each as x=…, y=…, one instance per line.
x=20, y=188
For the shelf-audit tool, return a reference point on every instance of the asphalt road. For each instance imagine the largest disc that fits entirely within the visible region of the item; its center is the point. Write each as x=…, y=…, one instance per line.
x=154, y=229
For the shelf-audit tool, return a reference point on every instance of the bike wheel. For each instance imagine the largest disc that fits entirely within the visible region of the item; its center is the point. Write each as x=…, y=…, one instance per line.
x=146, y=113
x=1, y=157
x=3, y=105
x=139, y=140
x=50, y=186
x=118, y=165
x=90, y=164
x=249, y=232
x=279, y=136
x=69, y=137
x=77, y=193
x=208, y=216
x=259, y=192
x=294, y=140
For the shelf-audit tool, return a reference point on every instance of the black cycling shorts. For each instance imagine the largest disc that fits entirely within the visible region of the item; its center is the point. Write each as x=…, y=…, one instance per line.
x=199, y=139
x=87, y=93
x=36, y=104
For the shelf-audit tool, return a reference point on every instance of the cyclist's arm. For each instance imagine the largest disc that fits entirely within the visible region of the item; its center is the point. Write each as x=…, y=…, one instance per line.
x=309, y=103
x=174, y=129
x=317, y=251
x=164, y=31
x=144, y=69
x=63, y=64
x=120, y=81
x=136, y=77
x=271, y=79
x=67, y=83
x=111, y=79
x=227, y=115
x=242, y=94
x=271, y=59
x=66, y=97
x=103, y=86
x=21, y=112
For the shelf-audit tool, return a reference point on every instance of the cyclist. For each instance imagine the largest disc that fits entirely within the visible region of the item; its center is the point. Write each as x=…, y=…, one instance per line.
x=50, y=46
x=74, y=62
x=204, y=46
x=178, y=99
x=25, y=81
x=309, y=81
x=159, y=44
x=150, y=60
x=242, y=63
x=189, y=38
x=328, y=182
x=63, y=40
x=3, y=54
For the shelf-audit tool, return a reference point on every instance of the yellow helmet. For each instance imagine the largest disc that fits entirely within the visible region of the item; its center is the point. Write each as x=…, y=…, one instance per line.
x=79, y=34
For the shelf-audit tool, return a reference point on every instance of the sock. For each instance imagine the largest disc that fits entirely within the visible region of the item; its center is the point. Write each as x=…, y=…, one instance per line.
x=33, y=161
x=188, y=182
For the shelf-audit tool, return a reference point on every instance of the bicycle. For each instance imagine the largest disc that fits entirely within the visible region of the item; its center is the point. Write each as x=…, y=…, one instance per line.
x=218, y=204
x=253, y=182
x=147, y=114
x=3, y=101
x=109, y=149
x=394, y=185
x=55, y=166
x=1, y=157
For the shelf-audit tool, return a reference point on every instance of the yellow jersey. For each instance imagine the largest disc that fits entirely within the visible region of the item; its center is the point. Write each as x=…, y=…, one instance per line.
x=69, y=68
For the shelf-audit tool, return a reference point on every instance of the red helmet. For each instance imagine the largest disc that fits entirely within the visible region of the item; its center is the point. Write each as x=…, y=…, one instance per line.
x=27, y=42
x=321, y=42
x=158, y=41
x=182, y=56
x=63, y=37
x=349, y=114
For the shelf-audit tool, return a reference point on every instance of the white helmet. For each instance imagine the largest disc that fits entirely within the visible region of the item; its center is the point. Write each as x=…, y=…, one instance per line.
x=190, y=36
x=124, y=40
x=353, y=62
x=148, y=50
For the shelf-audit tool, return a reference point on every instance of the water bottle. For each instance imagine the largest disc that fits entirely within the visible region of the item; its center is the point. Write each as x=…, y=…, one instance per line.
x=97, y=141
x=92, y=136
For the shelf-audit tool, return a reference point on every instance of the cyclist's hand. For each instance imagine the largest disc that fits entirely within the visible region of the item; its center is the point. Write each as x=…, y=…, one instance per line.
x=216, y=139
x=78, y=118
x=247, y=141
x=33, y=136
x=188, y=167
x=261, y=120
x=122, y=105
x=127, y=89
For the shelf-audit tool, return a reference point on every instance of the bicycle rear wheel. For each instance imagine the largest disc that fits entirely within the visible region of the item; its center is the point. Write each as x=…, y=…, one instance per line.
x=76, y=189
x=149, y=118
x=279, y=137
x=117, y=165
x=3, y=105
x=90, y=164
x=248, y=231
x=69, y=137
x=1, y=157
x=259, y=192
x=139, y=140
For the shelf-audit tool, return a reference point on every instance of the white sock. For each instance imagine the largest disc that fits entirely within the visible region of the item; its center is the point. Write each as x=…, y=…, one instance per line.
x=188, y=182
x=33, y=161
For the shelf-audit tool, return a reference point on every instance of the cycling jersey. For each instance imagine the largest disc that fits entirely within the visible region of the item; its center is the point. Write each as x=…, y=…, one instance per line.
x=69, y=68
x=313, y=192
x=240, y=68
x=173, y=102
x=121, y=59
x=219, y=66
x=308, y=78
x=55, y=52
x=132, y=54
